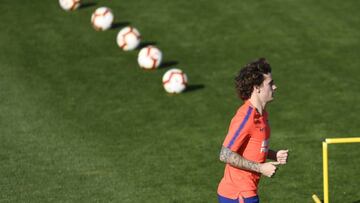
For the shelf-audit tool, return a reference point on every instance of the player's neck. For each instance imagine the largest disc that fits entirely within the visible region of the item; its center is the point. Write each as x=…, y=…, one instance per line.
x=255, y=101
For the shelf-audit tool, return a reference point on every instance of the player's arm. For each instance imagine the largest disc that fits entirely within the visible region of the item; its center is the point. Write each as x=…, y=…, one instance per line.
x=279, y=156
x=236, y=160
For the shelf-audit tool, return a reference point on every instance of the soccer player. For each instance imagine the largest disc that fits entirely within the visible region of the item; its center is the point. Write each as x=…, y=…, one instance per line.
x=246, y=145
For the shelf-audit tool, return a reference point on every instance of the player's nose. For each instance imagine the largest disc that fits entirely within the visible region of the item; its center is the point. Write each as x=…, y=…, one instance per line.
x=274, y=87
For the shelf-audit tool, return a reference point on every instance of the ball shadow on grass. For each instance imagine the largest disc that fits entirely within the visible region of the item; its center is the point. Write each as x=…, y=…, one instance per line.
x=145, y=44
x=117, y=25
x=87, y=5
x=168, y=64
x=194, y=87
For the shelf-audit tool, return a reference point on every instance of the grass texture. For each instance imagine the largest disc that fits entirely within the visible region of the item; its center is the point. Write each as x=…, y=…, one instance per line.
x=81, y=122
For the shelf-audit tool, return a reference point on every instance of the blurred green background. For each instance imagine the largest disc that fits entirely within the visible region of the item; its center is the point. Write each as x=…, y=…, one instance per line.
x=81, y=122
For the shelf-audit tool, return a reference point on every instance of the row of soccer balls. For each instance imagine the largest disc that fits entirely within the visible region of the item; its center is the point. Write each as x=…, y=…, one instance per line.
x=128, y=38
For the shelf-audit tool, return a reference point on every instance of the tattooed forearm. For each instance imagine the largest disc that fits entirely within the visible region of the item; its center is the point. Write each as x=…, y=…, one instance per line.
x=225, y=154
x=234, y=159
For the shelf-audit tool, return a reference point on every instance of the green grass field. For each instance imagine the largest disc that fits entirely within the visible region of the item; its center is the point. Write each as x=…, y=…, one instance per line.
x=80, y=122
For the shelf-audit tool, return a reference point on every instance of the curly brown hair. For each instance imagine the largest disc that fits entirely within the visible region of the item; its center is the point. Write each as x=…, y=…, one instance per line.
x=249, y=76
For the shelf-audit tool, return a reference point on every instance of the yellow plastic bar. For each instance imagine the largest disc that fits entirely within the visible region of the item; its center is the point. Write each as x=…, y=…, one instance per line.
x=316, y=199
x=325, y=163
x=325, y=172
x=342, y=140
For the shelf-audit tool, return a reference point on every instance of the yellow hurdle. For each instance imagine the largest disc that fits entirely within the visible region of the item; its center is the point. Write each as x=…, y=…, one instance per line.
x=342, y=140
x=316, y=199
x=325, y=172
x=325, y=163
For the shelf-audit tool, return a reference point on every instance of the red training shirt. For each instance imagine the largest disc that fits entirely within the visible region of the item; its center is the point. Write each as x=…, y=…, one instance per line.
x=248, y=135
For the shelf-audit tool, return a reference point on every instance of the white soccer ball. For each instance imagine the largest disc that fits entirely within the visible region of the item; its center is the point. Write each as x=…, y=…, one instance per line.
x=102, y=18
x=149, y=57
x=69, y=5
x=174, y=81
x=128, y=38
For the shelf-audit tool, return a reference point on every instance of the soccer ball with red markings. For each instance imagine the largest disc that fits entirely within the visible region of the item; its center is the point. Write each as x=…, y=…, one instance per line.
x=174, y=81
x=128, y=38
x=149, y=57
x=102, y=18
x=69, y=5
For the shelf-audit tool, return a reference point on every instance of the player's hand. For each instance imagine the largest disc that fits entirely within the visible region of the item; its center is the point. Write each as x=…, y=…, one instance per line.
x=281, y=156
x=268, y=169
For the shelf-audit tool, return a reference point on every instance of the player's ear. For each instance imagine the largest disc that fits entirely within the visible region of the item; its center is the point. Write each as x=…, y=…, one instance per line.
x=256, y=89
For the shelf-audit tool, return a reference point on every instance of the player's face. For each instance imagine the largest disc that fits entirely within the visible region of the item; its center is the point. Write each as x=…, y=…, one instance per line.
x=267, y=89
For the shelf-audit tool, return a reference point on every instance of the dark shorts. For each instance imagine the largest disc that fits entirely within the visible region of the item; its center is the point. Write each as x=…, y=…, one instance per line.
x=254, y=199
